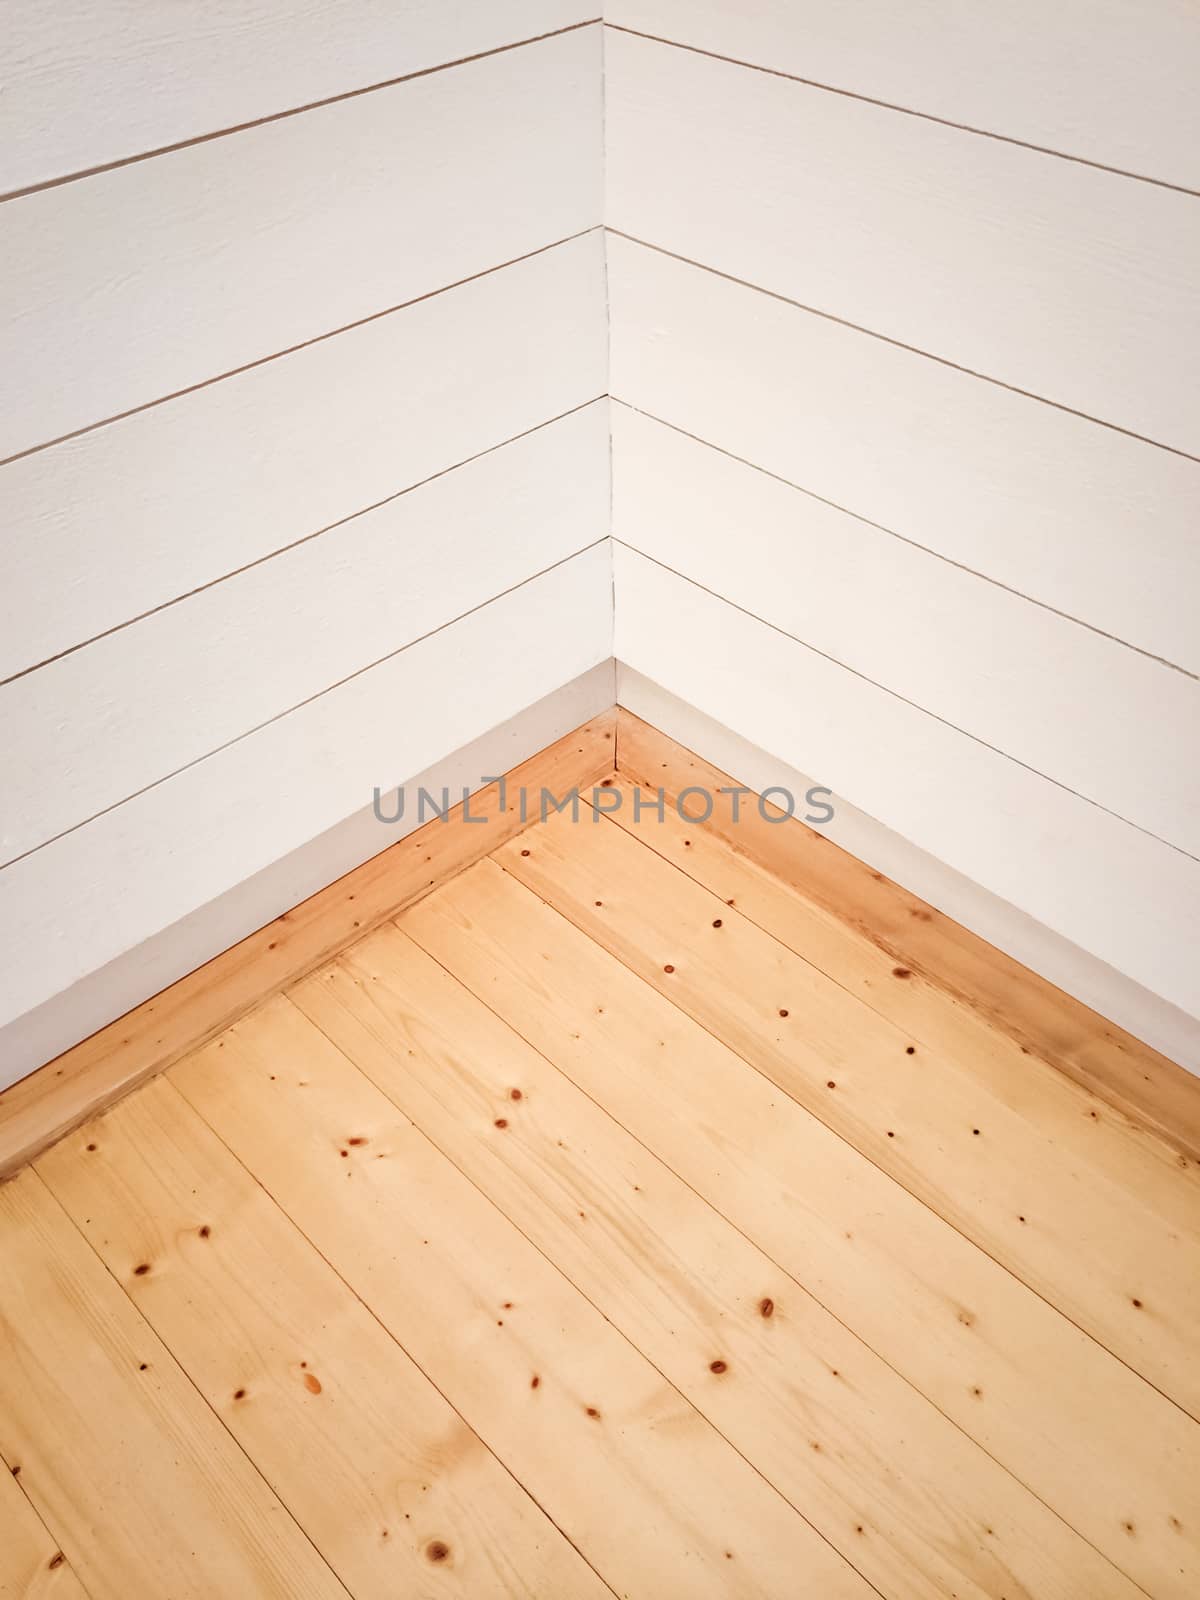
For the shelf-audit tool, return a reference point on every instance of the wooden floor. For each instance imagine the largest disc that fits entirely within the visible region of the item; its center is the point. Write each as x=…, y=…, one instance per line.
x=616, y=1220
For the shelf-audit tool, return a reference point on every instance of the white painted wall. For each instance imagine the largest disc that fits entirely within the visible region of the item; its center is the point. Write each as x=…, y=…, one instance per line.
x=284, y=232
x=305, y=433
x=1113, y=84
x=906, y=426
x=306, y=422
x=87, y=84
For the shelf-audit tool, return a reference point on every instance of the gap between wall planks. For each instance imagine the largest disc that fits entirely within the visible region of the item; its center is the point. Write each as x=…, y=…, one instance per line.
x=1145, y=1086
x=1153, y=1092
x=38, y=1110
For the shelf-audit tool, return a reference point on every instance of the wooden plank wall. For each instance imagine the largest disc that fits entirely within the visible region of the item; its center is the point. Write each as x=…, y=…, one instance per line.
x=907, y=431
x=304, y=431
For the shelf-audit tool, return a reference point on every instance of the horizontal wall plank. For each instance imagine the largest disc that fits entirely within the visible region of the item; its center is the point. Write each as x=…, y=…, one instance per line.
x=87, y=84
x=109, y=885
x=1099, y=882
x=106, y=526
x=102, y=723
x=1060, y=279
x=1120, y=729
x=136, y=283
x=1073, y=515
x=1114, y=84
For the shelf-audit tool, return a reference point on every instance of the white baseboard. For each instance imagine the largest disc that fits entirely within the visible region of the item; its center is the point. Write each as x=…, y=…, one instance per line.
x=39, y=1035
x=1145, y=1015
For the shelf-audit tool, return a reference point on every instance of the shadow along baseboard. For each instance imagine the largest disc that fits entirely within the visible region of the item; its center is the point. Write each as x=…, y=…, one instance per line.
x=1147, y=1087
x=39, y=1109
x=1152, y=1091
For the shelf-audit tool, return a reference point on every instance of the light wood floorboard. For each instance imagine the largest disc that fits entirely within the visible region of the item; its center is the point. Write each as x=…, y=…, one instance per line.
x=484, y=1314
x=1079, y=1428
x=938, y=1122
x=284, y=1352
x=1159, y=1096
x=31, y=1564
x=829, y=1424
x=133, y=1474
x=613, y=1221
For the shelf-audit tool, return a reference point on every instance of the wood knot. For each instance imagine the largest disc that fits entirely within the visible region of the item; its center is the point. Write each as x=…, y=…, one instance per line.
x=437, y=1549
x=766, y=1306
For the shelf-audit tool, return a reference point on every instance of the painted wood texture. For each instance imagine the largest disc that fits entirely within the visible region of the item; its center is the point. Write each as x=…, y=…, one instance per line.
x=800, y=1396
x=485, y=1314
x=49, y=1103
x=70, y=907
x=139, y=704
x=1112, y=85
x=934, y=1121
x=1064, y=281
x=1150, y=1091
x=94, y=1407
x=135, y=514
x=297, y=1368
x=1011, y=1371
x=86, y=86
x=981, y=658
x=142, y=281
x=1001, y=825
x=1080, y=518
